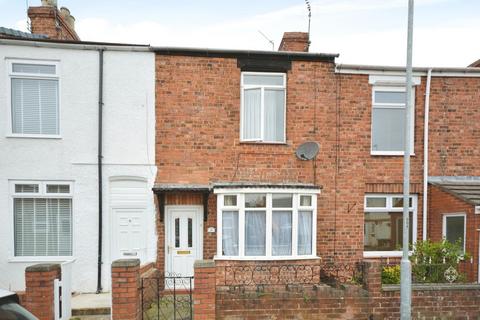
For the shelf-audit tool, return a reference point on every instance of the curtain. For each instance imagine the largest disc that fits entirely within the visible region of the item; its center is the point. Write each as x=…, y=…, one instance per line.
x=255, y=233
x=34, y=106
x=230, y=233
x=252, y=114
x=304, y=232
x=274, y=115
x=281, y=233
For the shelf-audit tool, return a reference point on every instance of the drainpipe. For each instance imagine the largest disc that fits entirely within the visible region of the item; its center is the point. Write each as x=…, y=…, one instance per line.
x=100, y=157
x=425, y=155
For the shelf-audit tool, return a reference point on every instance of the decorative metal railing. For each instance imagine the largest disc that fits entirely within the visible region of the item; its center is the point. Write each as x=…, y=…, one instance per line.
x=167, y=297
x=291, y=274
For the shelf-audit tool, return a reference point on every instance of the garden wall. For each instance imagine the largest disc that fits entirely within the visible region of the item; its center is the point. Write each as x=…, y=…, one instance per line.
x=369, y=301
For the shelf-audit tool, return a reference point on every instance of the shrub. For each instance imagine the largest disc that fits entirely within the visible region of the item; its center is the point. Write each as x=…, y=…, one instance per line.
x=391, y=274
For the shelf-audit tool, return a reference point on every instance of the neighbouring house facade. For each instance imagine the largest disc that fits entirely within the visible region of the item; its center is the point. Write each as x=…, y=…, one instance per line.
x=230, y=187
x=51, y=99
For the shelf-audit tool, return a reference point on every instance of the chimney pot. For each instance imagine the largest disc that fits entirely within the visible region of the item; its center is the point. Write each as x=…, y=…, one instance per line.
x=49, y=3
x=295, y=41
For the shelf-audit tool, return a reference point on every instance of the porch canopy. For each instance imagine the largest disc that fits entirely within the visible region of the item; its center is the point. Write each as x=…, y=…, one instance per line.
x=466, y=188
x=161, y=189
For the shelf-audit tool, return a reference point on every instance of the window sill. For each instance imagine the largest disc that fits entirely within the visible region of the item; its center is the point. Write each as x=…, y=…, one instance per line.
x=259, y=258
x=34, y=136
x=383, y=254
x=283, y=143
x=389, y=153
x=40, y=259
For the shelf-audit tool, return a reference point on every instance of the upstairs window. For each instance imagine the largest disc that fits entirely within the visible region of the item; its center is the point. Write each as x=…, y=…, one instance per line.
x=263, y=107
x=34, y=98
x=388, y=121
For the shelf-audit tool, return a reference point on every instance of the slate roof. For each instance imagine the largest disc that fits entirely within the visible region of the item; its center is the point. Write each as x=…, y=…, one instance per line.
x=12, y=33
x=465, y=188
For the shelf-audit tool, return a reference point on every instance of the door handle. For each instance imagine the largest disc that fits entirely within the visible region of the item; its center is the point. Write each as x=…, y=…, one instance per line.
x=169, y=249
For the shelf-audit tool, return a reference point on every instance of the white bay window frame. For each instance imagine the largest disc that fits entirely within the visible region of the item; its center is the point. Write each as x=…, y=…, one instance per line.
x=35, y=76
x=240, y=208
x=41, y=194
x=390, y=208
x=261, y=137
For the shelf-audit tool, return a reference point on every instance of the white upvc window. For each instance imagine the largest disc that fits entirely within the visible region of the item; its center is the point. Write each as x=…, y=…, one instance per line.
x=34, y=98
x=42, y=219
x=388, y=120
x=266, y=224
x=383, y=224
x=455, y=228
x=263, y=107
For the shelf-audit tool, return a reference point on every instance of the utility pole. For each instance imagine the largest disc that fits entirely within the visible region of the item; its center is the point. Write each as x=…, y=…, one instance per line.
x=406, y=267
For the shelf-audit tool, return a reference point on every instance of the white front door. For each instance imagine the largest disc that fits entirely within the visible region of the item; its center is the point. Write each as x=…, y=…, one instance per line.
x=129, y=236
x=128, y=209
x=184, y=239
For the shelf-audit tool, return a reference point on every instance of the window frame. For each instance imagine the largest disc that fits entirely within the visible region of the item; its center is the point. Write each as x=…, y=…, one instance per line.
x=396, y=88
x=20, y=75
x=390, y=208
x=240, y=207
x=444, y=226
x=243, y=87
x=41, y=194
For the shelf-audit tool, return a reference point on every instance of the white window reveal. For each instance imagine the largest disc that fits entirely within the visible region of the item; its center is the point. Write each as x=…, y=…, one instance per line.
x=263, y=107
x=266, y=224
x=454, y=228
x=383, y=224
x=388, y=120
x=34, y=98
x=42, y=214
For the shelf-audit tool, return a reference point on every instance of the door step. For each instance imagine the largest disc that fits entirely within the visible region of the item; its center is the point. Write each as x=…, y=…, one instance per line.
x=102, y=311
x=92, y=317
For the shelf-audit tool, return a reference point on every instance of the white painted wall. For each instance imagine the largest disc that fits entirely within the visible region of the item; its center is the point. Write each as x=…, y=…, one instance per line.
x=129, y=151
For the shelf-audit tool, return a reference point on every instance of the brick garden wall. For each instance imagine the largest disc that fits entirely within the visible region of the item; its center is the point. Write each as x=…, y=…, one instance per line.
x=370, y=301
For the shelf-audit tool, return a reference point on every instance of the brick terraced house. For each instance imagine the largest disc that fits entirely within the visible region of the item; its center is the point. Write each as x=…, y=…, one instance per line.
x=231, y=188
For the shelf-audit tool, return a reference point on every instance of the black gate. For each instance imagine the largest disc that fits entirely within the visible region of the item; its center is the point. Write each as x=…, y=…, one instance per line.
x=167, y=297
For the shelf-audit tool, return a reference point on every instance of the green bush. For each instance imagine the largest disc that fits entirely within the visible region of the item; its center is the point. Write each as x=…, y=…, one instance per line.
x=430, y=260
x=391, y=274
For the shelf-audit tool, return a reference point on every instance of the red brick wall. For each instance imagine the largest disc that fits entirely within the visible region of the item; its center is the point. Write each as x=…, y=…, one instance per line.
x=454, y=127
x=441, y=203
x=48, y=20
x=39, y=289
x=198, y=119
x=204, y=293
x=350, y=302
x=126, y=298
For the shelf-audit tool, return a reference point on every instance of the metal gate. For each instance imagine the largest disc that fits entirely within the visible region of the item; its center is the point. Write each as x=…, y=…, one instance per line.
x=167, y=297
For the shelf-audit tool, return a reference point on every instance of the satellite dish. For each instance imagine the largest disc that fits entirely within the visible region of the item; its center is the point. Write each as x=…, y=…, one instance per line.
x=307, y=150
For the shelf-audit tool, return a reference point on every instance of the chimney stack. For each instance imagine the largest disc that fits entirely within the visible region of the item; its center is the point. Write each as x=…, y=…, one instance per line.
x=48, y=20
x=295, y=41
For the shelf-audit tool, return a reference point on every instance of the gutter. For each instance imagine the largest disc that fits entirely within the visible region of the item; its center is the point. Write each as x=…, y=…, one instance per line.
x=100, y=158
x=418, y=71
x=425, y=155
x=75, y=45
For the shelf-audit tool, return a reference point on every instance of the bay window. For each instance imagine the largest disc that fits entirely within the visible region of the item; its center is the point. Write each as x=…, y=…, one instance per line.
x=266, y=224
x=383, y=224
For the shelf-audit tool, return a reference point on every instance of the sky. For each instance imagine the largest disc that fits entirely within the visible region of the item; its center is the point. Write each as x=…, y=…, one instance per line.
x=373, y=32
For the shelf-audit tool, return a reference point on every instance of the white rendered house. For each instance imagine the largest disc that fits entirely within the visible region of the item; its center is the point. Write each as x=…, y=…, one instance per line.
x=50, y=124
